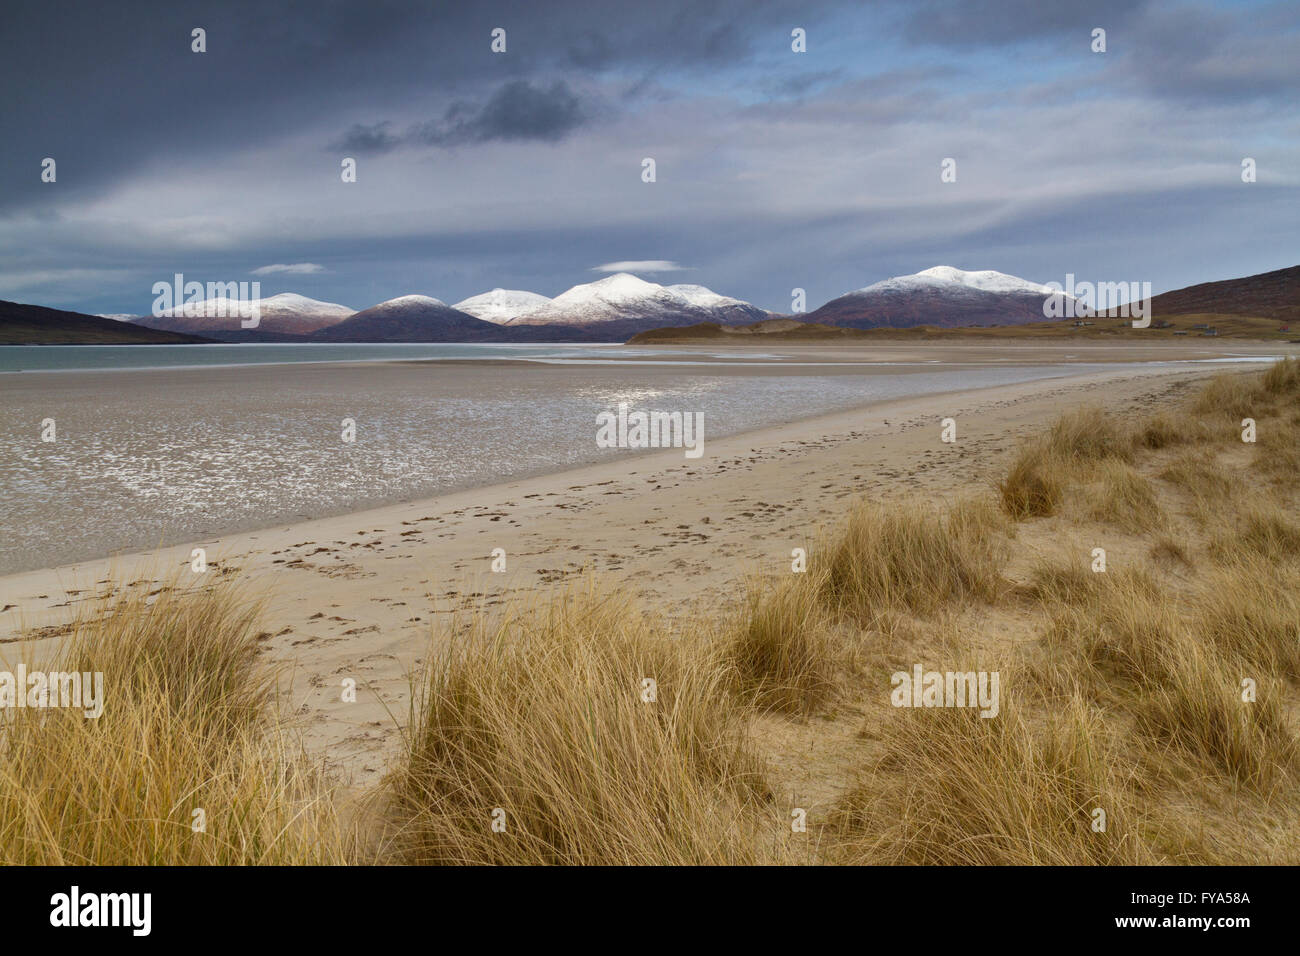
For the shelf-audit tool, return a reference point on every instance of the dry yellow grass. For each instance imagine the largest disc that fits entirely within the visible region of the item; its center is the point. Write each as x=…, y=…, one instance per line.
x=1282, y=378
x=1089, y=434
x=960, y=789
x=910, y=556
x=787, y=652
x=188, y=724
x=1233, y=396
x=1250, y=610
x=1165, y=690
x=1162, y=431
x=1277, y=452
x=1034, y=485
x=1260, y=527
x=1197, y=706
x=541, y=722
x=1124, y=498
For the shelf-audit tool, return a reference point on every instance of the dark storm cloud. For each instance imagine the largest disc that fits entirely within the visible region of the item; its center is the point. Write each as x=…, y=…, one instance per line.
x=591, y=50
x=107, y=88
x=517, y=111
x=361, y=138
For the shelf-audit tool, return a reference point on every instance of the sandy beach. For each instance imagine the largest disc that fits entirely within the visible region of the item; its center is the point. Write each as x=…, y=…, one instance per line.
x=356, y=595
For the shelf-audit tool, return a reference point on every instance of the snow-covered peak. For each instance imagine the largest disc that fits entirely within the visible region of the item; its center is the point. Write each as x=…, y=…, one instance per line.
x=282, y=305
x=946, y=276
x=502, y=305
x=985, y=280
x=411, y=302
x=620, y=287
x=624, y=297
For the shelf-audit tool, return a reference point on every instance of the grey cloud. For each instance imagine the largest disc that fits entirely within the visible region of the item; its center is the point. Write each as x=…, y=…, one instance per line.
x=591, y=50
x=107, y=89
x=801, y=84
x=361, y=138
x=517, y=111
x=1188, y=52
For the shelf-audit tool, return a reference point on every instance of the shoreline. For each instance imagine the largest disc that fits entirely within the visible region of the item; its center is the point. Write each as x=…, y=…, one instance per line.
x=355, y=595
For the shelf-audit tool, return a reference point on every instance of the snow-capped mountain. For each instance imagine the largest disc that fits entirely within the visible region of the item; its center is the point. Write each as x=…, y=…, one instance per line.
x=503, y=305
x=620, y=296
x=287, y=312
x=944, y=276
x=409, y=318
x=940, y=296
x=623, y=301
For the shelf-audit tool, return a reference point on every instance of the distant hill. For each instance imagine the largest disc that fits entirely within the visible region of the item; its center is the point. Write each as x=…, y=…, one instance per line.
x=36, y=325
x=1273, y=295
x=940, y=296
x=409, y=318
x=420, y=318
x=278, y=315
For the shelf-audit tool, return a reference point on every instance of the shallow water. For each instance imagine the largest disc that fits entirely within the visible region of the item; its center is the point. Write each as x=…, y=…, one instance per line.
x=45, y=358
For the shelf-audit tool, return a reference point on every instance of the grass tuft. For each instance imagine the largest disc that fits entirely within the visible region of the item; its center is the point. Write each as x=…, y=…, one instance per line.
x=188, y=724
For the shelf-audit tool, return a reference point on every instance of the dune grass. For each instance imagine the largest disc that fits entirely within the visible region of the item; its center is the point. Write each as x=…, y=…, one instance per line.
x=544, y=724
x=961, y=789
x=1163, y=430
x=1278, y=450
x=1198, y=707
x=787, y=652
x=189, y=724
x=911, y=556
x=1124, y=498
x=1034, y=485
x=1138, y=691
x=1250, y=609
x=1282, y=378
x=1089, y=435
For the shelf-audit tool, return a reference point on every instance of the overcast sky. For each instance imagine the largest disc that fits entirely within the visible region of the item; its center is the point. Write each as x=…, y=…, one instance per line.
x=523, y=169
